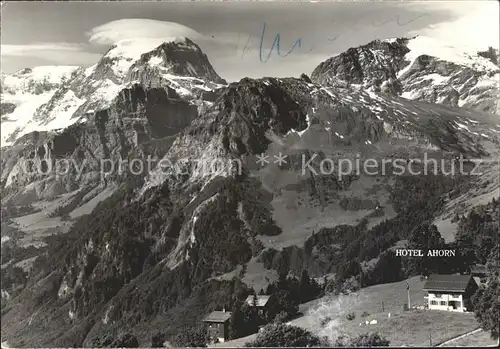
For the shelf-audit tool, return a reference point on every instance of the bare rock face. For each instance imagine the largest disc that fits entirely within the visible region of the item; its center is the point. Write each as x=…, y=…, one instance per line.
x=491, y=54
x=370, y=65
x=7, y=108
x=181, y=59
x=250, y=108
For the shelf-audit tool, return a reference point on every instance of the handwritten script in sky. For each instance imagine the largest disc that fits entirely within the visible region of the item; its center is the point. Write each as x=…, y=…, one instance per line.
x=276, y=43
x=276, y=47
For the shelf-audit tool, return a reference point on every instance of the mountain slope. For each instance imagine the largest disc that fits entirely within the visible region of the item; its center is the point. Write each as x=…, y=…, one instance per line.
x=128, y=110
x=159, y=252
x=134, y=265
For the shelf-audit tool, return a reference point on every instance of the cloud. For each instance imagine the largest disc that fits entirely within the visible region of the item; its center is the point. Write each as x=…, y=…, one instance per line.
x=124, y=29
x=475, y=25
x=59, y=52
x=107, y=34
x=32, y=49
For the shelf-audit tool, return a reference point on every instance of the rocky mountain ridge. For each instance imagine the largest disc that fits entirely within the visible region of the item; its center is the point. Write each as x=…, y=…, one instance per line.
x=418, y=68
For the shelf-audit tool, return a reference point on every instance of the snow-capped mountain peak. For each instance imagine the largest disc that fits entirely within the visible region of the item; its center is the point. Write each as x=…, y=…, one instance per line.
x=418, y=68
x=126, y=52
x=25, y=91
x=181, y=58
x=73, y=92
x=37, y=80
x=465, y=56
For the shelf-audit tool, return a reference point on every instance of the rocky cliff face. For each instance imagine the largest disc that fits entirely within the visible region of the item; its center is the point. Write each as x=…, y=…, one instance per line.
x=369, y=65
x=420, y=69
x=186, y=59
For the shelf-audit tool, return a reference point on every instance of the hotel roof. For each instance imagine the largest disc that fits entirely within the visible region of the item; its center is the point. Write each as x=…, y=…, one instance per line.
x=455, y=283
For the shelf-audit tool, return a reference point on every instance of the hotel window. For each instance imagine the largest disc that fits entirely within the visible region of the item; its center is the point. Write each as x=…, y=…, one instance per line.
x=434, y=302
x=443, y=303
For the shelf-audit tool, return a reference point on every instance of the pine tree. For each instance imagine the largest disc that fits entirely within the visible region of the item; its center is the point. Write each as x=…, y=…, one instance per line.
x=237, y=321
x=305, y=287
x=158, y=339
x=254, y=300
x=486, y=302
x=251, y=319
x=271, y=288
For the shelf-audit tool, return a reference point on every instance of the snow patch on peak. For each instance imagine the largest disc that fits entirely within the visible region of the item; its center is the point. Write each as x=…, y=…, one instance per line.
x=53, y=72
x=155, y=61
x=421, y=45
x=125, y=53
x=134, y=48
x=105, y=92
x=34, y=114
x=37, y=79
x=191, y=69
x=390, y=40
x=192, y=236
x=88, y=72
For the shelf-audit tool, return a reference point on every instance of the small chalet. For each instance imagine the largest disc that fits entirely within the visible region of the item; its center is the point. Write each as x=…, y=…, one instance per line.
x=218, y=325
x=260, y=302
x=449, y=292
x=479, y=273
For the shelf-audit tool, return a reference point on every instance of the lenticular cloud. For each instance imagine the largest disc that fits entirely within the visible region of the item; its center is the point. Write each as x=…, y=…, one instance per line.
x=114, y=31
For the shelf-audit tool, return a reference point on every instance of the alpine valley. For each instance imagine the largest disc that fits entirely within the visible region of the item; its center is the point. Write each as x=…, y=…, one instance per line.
x=98, y=253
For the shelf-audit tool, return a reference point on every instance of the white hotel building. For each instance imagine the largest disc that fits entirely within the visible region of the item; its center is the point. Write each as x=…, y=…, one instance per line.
x=449, y=292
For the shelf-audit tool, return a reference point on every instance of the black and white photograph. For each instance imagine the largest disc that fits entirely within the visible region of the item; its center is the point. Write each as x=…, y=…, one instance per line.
x=230, y=174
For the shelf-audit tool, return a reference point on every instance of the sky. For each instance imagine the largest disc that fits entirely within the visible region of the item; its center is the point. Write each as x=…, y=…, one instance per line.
x=240, y=38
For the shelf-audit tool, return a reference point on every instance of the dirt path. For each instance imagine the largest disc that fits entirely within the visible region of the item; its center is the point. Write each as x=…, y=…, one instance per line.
x=459, y=337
